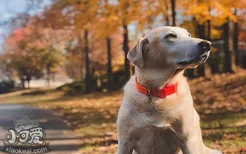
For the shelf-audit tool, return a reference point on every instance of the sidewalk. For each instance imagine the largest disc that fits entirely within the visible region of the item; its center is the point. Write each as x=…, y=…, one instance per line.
x=62, y=140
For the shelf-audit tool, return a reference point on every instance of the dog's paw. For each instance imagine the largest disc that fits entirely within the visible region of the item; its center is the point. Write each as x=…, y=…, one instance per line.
x=216, y=152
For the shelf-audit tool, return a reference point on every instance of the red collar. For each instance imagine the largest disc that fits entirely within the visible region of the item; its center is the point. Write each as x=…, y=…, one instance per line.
x=161, y=93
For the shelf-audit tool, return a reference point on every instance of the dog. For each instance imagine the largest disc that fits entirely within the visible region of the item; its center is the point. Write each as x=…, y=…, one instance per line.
x=157, y=114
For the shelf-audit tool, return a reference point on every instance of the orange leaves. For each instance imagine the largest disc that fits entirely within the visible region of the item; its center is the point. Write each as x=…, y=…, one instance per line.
x=223, y=11
x=217, y=11
x=32, y=49
x=93, y=116
x=216, y=95
x=107, y=21
x=83, y=12
x=200, y=12
x=129, y=10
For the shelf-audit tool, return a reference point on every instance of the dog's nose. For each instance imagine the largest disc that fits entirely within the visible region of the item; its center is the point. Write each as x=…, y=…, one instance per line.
x=205, y=46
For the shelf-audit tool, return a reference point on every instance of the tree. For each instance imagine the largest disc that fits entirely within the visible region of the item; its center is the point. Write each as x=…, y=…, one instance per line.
x=166, y=15
x=106, y=19
x=128, y=10
x=32, y=52
x=19, y=58
x=227, y=54
x=201, y=15
x=235, y=39
x=201, y=11
x=173, y=12
x=78, y=16
x=227, y=15
x=238, y=7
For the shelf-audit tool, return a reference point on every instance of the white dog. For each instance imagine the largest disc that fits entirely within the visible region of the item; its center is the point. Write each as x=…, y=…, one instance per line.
x=157, y=114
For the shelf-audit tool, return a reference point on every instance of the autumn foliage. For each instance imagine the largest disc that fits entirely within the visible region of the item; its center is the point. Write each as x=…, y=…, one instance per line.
x=89, y=40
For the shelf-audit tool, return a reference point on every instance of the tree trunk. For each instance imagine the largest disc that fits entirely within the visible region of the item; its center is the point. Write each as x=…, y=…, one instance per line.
x=166, y=14
x=201, y=34
x=173, y=12
x=209, y=30
x=227, y=55
x=209, y=25
x=235, y=40
x=28, y=84
x=87, y=63
x=81, y=70
x=82, y=57
x=48, y=74
x=126, y=49
x=22, y=82
x=109, y=65
x=28, y=79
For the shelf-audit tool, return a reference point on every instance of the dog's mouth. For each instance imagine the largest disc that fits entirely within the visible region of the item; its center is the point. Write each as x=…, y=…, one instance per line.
x=195, y=62
x=204, y=57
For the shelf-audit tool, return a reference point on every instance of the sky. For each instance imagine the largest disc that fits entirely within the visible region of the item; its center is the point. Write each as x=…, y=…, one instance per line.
x=10, y=8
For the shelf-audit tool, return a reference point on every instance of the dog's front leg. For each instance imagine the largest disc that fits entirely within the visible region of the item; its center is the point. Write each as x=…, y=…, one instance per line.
x=126, y=142
x=125, y=146
x=189, y=133
x=124, y=126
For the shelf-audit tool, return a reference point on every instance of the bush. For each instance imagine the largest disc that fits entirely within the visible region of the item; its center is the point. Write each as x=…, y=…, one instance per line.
x=6, y=86
x=117, y=80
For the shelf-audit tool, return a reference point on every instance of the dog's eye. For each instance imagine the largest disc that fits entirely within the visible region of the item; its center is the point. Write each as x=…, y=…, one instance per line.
x=189, y=35
x=171, y=35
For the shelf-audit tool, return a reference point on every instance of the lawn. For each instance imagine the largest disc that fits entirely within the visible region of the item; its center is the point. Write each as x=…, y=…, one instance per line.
x=219, y=99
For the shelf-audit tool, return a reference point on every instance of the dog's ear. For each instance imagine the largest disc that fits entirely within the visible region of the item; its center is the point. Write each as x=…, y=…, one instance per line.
x=135, y=55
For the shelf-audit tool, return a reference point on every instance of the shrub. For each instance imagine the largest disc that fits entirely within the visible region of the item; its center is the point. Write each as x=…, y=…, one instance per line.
x=6, y=86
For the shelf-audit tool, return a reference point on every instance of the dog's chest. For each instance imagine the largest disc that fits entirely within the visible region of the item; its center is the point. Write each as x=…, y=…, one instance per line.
x=155, y=140
x=150, y=115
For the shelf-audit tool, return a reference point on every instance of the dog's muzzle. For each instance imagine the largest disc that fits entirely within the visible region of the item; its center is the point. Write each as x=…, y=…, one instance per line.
x=204, y=48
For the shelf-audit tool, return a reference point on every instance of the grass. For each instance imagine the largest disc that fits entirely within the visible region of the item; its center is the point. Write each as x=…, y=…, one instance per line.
x=220, y=103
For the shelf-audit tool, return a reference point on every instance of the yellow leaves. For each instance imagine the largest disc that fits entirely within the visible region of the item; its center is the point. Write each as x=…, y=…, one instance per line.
x=215, y=34
x=129, y=10
x=222, y=12
x=220, y=95
x=106, y=26
x=242, y=100
x=93, y=116
x=113, y=18
x=190, y=26
x=199, y=11
x=81, y=12
x=216, y=11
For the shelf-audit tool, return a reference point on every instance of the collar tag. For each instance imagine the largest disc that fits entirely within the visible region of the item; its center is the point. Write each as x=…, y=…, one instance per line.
x=149, y=95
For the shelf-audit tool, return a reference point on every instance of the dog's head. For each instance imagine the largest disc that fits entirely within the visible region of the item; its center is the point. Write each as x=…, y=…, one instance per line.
x=169, y=46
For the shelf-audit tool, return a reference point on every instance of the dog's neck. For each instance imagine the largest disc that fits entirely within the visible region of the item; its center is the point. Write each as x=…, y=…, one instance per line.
x=157, y=78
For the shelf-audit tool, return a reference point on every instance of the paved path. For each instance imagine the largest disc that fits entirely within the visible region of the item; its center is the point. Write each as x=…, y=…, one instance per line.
x=61, y=139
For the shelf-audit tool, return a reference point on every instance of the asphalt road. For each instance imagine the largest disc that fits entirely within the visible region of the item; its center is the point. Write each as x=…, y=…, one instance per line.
x=61, y=139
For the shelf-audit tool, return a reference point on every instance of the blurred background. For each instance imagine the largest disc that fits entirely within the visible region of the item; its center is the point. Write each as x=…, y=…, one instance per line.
x=86, y=41
x=69, y=56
